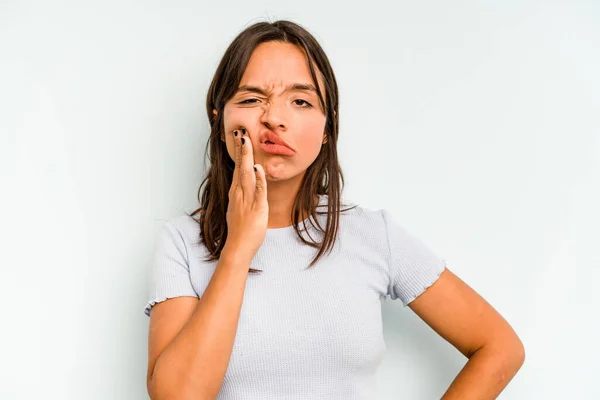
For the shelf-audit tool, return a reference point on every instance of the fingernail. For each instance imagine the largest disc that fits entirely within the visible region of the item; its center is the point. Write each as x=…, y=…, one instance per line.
x=235, y=133
x=243, y=140
x=254, y=169
x=243, y=131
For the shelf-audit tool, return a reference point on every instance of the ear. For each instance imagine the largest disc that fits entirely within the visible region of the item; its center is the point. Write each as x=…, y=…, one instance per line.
x=215, y=112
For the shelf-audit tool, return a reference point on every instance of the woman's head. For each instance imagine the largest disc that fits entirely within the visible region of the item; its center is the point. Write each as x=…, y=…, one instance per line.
x=271, y=56
x=276, y=94
x=249, y=89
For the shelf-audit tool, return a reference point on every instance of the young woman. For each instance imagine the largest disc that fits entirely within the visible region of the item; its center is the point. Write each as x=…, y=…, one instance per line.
x=270, y=290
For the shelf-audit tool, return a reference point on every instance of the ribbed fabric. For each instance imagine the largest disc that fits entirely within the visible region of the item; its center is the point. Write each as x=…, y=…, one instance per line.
x=305, y=333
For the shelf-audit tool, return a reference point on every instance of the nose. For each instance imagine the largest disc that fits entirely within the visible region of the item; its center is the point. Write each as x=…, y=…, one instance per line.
x=273, y=116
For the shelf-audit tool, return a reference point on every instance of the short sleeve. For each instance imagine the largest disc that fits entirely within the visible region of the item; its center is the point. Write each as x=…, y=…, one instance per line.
x=170, y=273
x=413, y=266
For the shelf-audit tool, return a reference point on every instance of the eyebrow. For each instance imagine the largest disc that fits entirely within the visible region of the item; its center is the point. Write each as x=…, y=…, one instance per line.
x=296, y=86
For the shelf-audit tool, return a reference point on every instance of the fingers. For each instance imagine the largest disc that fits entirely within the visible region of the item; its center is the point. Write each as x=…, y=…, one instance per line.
x=246, y=166
x=237, y=158
x=261, y=187
x=244, y=177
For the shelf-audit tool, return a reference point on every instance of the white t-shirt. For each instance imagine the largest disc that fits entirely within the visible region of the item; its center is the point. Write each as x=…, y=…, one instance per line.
x=305, y=333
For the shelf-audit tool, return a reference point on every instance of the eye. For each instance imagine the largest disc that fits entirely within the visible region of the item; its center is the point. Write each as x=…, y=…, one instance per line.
x=307, y=103
x=247, y=101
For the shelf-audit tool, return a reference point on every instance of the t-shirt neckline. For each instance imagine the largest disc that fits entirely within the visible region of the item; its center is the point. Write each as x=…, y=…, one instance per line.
x=287, y=230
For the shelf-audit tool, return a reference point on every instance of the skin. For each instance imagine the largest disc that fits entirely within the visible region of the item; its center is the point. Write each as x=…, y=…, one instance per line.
x=296, y=116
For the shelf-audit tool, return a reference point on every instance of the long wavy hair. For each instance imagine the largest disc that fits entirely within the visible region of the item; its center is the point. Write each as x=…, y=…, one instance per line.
x=323, y=177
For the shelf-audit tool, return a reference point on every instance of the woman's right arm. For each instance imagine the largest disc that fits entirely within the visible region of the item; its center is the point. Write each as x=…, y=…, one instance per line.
x=190, y=340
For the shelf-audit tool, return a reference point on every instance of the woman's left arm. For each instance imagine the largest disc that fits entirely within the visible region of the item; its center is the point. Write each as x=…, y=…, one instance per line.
x=462, y=317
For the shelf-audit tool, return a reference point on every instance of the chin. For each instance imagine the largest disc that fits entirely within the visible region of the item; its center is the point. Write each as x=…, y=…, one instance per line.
x=279, y=172
x=277, y=176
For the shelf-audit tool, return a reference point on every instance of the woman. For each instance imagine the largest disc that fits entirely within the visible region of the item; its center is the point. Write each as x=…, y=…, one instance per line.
x=274, y=291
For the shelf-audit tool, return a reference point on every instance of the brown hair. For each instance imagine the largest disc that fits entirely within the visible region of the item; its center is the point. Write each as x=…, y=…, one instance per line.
x=323, y=177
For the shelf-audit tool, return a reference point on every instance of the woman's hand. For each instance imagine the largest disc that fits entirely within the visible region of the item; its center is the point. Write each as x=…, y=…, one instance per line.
x=248, y=209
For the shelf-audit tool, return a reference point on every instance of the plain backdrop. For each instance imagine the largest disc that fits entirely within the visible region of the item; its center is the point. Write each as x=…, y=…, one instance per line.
x=475, y=122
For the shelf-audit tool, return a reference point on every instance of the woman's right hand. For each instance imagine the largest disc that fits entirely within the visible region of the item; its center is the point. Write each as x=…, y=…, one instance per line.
x=248, y=209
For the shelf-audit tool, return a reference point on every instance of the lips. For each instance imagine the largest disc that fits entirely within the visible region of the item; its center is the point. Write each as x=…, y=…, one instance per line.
x=273, y=144
x=268, y=136
x=276, y=149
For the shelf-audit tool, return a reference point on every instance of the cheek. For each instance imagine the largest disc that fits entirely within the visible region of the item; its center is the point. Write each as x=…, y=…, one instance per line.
x=311, y=130
x=230, y=117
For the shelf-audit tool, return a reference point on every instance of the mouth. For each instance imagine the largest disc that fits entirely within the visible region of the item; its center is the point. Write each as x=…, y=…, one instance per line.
x=272, y=143
x=276, y=149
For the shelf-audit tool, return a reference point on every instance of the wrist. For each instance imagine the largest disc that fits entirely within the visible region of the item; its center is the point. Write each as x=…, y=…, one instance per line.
x=235, y=255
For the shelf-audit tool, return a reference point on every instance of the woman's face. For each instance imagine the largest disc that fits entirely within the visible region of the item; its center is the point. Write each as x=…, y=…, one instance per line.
x=295, y=115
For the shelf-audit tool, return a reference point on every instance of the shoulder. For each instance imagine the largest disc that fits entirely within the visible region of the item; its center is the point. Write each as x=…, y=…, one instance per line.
x=183, y=227
x=363, y=222
x=364, y=217
x=376, y=224
x=185, y=230
x=185, y=224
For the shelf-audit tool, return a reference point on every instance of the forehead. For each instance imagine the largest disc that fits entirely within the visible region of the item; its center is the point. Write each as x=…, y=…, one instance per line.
x=275, y=65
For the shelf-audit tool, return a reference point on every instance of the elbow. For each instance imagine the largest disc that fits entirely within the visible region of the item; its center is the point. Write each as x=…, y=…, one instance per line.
x=508, y=353
x=517, y=358
x=153, y=390
x=158, y=391
x=168, y=389
x=513, y=348
x=514, y=355
x=520, y=353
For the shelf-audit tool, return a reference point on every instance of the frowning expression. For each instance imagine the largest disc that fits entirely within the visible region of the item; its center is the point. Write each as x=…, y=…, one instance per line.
x=277, y=94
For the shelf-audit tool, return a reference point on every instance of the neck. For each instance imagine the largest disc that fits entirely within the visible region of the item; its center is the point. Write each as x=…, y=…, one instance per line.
x=281, y=196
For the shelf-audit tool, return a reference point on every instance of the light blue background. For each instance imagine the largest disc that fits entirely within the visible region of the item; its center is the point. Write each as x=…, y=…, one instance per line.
x=475, y=122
